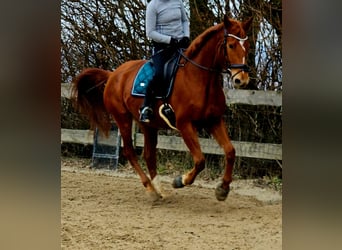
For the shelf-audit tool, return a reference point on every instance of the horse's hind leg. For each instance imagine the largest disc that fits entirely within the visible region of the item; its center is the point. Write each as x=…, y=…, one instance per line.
x=150, y=154
x=125, y=125
x=220, y=133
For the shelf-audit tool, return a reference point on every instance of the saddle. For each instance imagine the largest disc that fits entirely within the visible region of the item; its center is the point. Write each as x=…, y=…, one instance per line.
x=144, y=77
x=146, y=73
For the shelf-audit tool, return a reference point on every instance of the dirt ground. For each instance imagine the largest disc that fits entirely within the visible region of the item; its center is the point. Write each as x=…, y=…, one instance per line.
x=102, y=209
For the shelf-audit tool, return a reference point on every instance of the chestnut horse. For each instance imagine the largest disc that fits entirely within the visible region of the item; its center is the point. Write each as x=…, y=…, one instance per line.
x=197, y=99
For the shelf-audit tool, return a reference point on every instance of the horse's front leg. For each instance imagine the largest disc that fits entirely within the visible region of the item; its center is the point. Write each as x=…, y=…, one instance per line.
x=219, y=131
x=189, y=134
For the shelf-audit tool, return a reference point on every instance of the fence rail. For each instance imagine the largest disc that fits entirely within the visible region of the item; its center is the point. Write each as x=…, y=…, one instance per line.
x=233, y=96
x=208, y=146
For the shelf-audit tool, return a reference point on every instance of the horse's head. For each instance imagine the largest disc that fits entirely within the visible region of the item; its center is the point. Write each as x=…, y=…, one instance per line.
x=236, y=50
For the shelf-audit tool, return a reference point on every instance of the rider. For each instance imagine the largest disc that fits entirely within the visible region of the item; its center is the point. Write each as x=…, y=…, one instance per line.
x=168, y=26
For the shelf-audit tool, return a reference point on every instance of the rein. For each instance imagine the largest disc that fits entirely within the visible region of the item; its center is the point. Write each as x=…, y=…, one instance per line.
x=229, y=66
x=196, y=64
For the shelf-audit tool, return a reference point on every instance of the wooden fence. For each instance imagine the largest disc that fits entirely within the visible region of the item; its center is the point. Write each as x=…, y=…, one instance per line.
x=208, y=146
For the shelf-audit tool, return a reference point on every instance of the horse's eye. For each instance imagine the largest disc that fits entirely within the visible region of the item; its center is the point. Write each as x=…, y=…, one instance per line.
x=231, y=46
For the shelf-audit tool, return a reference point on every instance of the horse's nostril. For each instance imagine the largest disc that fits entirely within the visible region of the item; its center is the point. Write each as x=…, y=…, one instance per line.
x=237, y=81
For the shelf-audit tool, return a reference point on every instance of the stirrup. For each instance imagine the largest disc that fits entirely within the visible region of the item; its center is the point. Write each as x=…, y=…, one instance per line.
x=145, y=114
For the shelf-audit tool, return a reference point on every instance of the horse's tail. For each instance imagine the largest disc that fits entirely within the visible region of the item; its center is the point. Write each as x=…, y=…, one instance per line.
x=87, y=96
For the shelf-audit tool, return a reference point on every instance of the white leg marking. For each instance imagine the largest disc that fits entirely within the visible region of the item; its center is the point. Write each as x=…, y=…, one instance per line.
x=157, y=185
x=183, y=179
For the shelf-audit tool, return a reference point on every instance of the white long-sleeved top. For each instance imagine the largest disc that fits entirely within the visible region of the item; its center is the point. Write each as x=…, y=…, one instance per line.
x=166, y=19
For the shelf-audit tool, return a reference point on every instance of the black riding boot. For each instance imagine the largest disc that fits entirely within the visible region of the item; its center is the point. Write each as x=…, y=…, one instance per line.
x=146, y=110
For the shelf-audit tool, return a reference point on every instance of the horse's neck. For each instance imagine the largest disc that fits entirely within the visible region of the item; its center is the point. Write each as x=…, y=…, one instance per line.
x=209, y=63
x=206, y=82
x=210, y=79
x=206, y=57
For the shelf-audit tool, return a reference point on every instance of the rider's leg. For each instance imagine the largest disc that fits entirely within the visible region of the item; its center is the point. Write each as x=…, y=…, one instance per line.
x=162, y=54
x=146, y=111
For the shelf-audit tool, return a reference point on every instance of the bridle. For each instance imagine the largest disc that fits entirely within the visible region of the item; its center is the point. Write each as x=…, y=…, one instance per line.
x=229, y=66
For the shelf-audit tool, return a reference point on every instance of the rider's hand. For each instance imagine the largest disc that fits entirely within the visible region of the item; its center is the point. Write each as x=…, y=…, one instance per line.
x=184, y=42
x=174, y=42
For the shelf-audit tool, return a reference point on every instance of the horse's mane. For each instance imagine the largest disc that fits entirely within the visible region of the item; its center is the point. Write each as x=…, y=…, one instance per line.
x=202, y=39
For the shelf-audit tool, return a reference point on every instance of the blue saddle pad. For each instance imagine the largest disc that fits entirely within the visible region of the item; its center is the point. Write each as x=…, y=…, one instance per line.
x=142, y=79
x=145, y=75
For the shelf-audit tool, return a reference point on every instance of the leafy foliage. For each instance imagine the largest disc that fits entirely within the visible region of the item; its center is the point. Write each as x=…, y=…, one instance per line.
x=106, y=33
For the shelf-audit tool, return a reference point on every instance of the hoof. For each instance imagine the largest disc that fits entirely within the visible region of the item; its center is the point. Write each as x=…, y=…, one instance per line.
x=154, y=196
x=221, y=193
x=177, y=182
x=156, y=184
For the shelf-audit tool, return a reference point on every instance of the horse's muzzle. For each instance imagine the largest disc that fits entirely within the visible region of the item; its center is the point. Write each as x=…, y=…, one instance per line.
x=239, y=75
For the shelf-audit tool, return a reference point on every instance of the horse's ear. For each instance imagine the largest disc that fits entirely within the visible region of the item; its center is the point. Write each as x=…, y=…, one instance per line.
x=226, y=21
x=247, y=24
